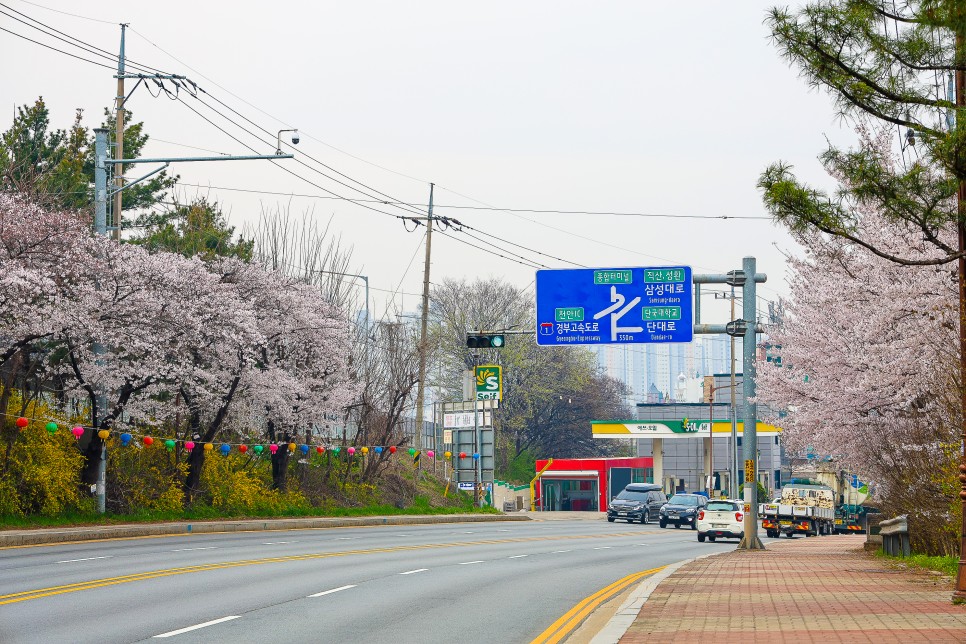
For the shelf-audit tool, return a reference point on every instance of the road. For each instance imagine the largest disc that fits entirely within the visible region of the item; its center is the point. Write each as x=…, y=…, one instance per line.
x=474, y=582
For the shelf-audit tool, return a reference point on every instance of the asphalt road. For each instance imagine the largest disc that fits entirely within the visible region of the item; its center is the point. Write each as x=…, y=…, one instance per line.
x=481, y=582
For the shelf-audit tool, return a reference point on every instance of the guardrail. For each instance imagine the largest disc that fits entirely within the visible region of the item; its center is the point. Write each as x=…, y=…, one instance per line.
x=895, y=536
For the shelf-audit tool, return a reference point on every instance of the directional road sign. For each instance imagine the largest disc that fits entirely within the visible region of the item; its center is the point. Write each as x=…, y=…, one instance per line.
x=615, y=305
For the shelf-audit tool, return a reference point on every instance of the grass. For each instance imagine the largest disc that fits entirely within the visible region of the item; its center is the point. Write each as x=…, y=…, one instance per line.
x=421, y=505
x=945, y=565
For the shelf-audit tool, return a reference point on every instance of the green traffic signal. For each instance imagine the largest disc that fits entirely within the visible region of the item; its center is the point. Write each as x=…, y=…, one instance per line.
x=485, y=341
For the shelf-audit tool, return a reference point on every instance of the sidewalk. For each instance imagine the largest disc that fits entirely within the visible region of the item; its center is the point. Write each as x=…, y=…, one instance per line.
x=820, y=589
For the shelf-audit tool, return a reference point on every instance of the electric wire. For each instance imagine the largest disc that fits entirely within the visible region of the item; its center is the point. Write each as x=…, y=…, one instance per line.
x=61, y=51
x=73, y=15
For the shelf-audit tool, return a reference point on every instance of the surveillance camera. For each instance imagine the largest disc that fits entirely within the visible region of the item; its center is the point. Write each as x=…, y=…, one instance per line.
x=295, y=137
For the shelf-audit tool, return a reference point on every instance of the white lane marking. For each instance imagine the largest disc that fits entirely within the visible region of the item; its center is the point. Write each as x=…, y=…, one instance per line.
x=603, y=548
x=503, y=530
x=516, y=556
x=466, y=563
x=403, y=535
x=275, y=543
x=559, y=551
x=334, y=590
x=344, y=538
x=640, y=544
x=85, y=559
x=469, y=532
x=413, y=572
x=205, y=548
x=197, y=626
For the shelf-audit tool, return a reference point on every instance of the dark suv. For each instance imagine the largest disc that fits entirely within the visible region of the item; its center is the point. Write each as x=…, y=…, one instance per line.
x=637, y=502
x=682, y=509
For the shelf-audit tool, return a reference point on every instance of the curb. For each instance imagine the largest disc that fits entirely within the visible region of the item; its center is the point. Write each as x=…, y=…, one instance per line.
x=42, y=536
x=614, y=630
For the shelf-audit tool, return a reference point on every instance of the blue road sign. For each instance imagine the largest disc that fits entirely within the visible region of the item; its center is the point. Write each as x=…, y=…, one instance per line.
x=615, y=305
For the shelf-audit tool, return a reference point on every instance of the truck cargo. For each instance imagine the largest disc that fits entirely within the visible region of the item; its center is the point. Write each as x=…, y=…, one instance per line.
x=801, y=509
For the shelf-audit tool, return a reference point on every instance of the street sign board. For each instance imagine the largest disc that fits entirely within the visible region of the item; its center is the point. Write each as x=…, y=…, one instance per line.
x=615, y=305
x=489, y=382
x=749, y=471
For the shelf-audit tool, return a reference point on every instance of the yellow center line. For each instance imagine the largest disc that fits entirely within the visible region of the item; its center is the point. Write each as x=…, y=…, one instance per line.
x=572, y=618
x=27, y=595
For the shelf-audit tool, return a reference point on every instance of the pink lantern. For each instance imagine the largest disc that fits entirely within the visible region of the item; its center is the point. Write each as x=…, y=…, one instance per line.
x=189, y=445
x=273, y=448
x=351, y=450
x=431, y=454
x=77, y=432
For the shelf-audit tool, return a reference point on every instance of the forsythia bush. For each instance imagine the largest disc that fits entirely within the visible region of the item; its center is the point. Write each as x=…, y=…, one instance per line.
x=41, y=475
x=144, y=479
x=234, y=489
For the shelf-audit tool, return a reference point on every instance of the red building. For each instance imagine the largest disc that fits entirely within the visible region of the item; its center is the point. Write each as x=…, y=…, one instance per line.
x=587, y=484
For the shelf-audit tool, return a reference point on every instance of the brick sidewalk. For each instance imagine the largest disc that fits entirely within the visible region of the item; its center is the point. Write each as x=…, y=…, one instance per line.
x=820, y=589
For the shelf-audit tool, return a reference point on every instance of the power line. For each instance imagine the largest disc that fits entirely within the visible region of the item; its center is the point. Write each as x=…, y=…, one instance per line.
x=66, y=13
x=61, y=51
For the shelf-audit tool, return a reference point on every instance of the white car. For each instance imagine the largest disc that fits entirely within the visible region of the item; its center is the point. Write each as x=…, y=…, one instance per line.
x=720, y=518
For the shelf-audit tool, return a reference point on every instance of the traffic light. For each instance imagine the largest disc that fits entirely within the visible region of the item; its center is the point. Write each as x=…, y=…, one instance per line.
x=484, y=340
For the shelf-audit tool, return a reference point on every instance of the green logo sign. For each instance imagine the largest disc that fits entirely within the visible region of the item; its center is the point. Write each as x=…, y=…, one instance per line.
x=489, y=382
x=570, y=314
x=663, y=275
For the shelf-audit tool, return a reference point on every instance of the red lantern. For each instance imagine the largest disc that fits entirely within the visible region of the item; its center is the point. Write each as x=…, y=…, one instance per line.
x=148, y=440
x=243, y=448
x=22, y=422
x=462, y=454
x=392, y=450
x=319, y=449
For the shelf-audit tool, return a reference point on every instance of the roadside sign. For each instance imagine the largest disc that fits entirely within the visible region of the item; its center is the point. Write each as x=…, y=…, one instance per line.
x=489, y=382
x=447, y=436
x=615, y=305
x=749, y=471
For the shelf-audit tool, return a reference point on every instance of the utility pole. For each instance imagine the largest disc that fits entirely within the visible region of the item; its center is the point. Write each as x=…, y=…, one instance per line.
x=750, y=540
x=119, y=139
x=421, y=386
x=734, y=412
x=959, y=596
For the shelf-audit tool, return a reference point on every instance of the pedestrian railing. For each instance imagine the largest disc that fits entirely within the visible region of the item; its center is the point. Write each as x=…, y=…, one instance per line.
x=895, y=536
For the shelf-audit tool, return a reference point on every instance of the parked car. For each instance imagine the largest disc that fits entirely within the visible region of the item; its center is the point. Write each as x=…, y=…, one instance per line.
x=637, y=502
x=722, y=519
x=682, y=509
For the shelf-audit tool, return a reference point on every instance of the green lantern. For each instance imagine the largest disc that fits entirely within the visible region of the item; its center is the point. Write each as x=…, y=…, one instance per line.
x=412, y=451
x=258, y=449
x=51, y=427
x=169, y=444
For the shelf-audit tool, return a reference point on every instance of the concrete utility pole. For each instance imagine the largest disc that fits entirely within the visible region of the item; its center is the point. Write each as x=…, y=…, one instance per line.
x=750, y=540
x=734, y=414
x=119, y=140
x=100, y=228
x=421, y=385
x=959, y=596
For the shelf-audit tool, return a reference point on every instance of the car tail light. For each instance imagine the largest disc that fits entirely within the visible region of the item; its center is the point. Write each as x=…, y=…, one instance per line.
x=701, y=515
x=739, y=517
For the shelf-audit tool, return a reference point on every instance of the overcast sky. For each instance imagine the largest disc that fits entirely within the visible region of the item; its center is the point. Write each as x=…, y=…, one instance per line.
x=669, y=109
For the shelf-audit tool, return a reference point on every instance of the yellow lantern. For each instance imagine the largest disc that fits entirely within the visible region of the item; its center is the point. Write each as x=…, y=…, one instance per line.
x=209, y=447
x=447, y=454
x=365, y=450
x=291, y=447
x=103, y=434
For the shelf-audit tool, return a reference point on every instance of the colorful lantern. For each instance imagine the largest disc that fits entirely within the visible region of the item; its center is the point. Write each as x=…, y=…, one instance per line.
x=462, y=454
x=431, y=454
x=208, y=447
x=243, y=448
x=336, y=449
x=22, y=422
x=169, y=444
x=189, y=445
x=148, y=441
x=224, y=449
x=412, y=451
x=103, y=434
x=476, y=456
x=77, y=432
x=125, y=439
x=319, y=449
x=273, y=448
x=351, y=450
x=392, y=450
x=378, y=450
x=51, y=427
x=365, y=450
x=258, y=449
x=291, y=447
x=304, y=449
x=448, y=454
